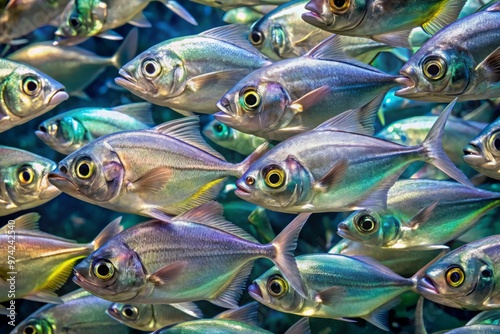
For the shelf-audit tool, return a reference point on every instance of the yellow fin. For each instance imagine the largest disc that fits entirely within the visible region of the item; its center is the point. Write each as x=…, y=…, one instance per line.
x=446, y=14
x=59, y=276
x=206, y=193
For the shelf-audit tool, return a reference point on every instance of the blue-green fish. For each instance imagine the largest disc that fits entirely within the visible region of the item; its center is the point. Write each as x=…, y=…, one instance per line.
x=246, y=15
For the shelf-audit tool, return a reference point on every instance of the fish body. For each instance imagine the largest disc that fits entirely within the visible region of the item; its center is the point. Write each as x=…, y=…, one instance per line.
x=190, y=73
x=246, y=15
x=69, y=131
x=24, y=178
x=460, y=61
x=230, y=4
x=25, y=93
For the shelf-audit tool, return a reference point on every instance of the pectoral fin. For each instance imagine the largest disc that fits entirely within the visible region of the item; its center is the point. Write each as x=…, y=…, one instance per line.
x=140, y=21
x=44, y=297
x=310, y=99
x=331, y=295
x=334, y=176
x=447, y=14
x=153, y=181
x=422, y=216
x=231, y=77
x=168, y=273
x=490, y=67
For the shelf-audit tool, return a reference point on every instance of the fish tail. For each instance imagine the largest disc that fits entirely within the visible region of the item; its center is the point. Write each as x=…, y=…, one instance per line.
x=243, y=166
x=127, y=50
x=107, y=233
x=432, y=149
x=284, y=245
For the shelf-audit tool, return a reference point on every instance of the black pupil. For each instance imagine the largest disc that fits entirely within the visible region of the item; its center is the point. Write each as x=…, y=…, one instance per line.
x=251, y=100
x=433, y=69
x=129, y=312
x=455, y=277
x=84, y=169
x=497, y=143
x=150, y=68
x=486, y=273
x=274, y=178
x=31, y=86
x=102, y=270
x=275, y=287
x=43, y=128
x=366, y=224
x=256, y=37
x=339, y=3
x=74, y=22
x=218, y=128
x=29, y=330
x=26, y=175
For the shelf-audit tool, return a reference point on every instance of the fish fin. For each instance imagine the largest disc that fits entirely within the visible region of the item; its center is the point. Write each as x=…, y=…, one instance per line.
x=333, y=177
x=141, y=111
x=28, y=221
x=206, y=193
x=189, y=308
x=492, y=8
x=243, y=166
x=310, y=99
x=168, y=273
x=157, y=213
x=236, y=34
x=111, y=35
x=178, y=9
x=433, y=149
x=484, y=317
x=231, y=77
x=228, y=298
x=184, y=112
x=378, y=197
x=187, y=129
x=490, y=66
x=330, y=295
x=44, y=297
x=447, y=14
x=284, y=245
x=300, y=327
x=396, y=38
x=3, y=310
x=127, y=49
x=107, y=233
x=379, y=267
x=419, y=317
x=331, y=48
x=139, y=20
x=153, y=181
x=210, y=214
x=380, y=316
x=246, y=314
x=59, y=276
x=80, y=94
x=358, y=120
x=422, y=216
x=481, y=114
x=428, y=247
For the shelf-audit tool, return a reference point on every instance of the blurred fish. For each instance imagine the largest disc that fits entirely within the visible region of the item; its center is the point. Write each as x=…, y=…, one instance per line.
x=246, y=15
x=382, y=20
x=149, y=317
x=44, y=261
x=69, y=131
x=24, y=183
x=338, y=286
x=81, y=313
x=422, y=214
x=190, y=73
x=232, y=139
x=295, y=95
x=258, y=218
x=334, y=169
x=163, y=171
x=472, y=6
x=461, y=61
x=395, y=108
x=465, y=278
x=229, y=4
x=86, y=18
x=72, y=66
x=26, y=93
x=195, y=256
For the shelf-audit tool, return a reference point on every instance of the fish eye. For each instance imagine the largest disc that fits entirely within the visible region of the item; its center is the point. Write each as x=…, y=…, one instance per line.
x=150, y=68
x=250, y=180
x=434, y=68
x=486, y=273
x=130, y=312
x=75, y=22
x=31, y=86
x=339, y=6
x=30, y=329
x=256, y=37
x=84, y=168
x=494, y=142
x=26, y=175
x=274, y=176
x=103, y=269
x=366, y=224
x=250, y=99
x=455, y=276
x=277, y=286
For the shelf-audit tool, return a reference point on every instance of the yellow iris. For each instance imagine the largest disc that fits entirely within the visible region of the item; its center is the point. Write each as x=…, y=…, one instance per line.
x=455, y=277
x=277, y=286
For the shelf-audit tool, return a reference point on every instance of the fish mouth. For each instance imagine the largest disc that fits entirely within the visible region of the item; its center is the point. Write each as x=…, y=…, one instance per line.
x=79, y=280
x=226, y=118
x=255, y=293
x=242, y=191
x=426, y=285
x=472, y=149
x=344, y=232
x=128, y=82
x=43, y=136
x=113, y=312
x=50, y=191
x=313, y=16
x=58, y=97
x=61, y=181
x=473, y=155
x=225, y=107
x=410, y=89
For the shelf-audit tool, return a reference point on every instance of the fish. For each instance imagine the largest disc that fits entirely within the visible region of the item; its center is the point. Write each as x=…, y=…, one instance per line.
x=86, y=18
x=43, y=261
x=420, y=214
x=158, y=172
x=26, y=93
x=81, y=313
x=246, y=15
x=332, y=291
x=319, y=171
x=151, y=317
x=74, y=67
x=71, y=130
x=382, y=20
x=282, y=34
x=230, y=4
x=296, y=95
x=232, y=139
x=461, y=61
x=187, y=73
x=465, y=278
x=24, y=180
x=197, y=255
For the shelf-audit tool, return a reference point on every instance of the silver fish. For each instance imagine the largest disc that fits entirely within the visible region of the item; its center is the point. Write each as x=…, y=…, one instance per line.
x=246, y=15
x=229, y=4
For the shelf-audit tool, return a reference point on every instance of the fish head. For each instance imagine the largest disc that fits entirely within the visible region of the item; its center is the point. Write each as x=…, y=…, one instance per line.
x=64, y=135
x=114, y=272
x=93, y=173
x=155, y=75
x=270, y=38
x=138, y=316
x=218, y=132
x=335, y=15
x=82, y=18
x=483, y=152
x=35, y=325
x=436, y=75
x=274, y=291
x=274, y=183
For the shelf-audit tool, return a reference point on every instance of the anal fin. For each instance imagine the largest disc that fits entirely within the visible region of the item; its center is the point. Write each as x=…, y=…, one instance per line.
x=229, y=297
x=379, y=317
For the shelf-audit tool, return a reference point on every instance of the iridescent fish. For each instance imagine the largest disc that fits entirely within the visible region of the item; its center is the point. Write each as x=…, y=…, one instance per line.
x=229, y=4
x=246, y=15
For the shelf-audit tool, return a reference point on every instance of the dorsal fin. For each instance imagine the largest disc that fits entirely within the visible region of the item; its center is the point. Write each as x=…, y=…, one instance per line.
x=329, y=49
x=491, y=8
x=246, y=314
x=187, y=129
x=210, y=214
x=141, y=111
x=28, y=221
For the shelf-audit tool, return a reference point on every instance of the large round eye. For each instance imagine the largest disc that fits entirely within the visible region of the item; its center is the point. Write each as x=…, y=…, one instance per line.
x=274, y=176
x=494, y=142
x=150, y=68
x=103, y=269
x=221, y=130
x=30, y=329
x=130, y=312
x=84, y=168
x=455, y=276
x=366, y=224
x=250, y=99
x=277, y=286
x=75, y=22
x=256, y=37
x=339, y=6
x=434, y=68
x=26, y=174
x=31, y=86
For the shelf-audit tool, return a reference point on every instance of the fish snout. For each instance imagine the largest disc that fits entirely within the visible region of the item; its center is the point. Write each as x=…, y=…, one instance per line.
x=58, y=97
x=224, y=106
x=317, y=15
x=426, y=285
x=254, y=291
